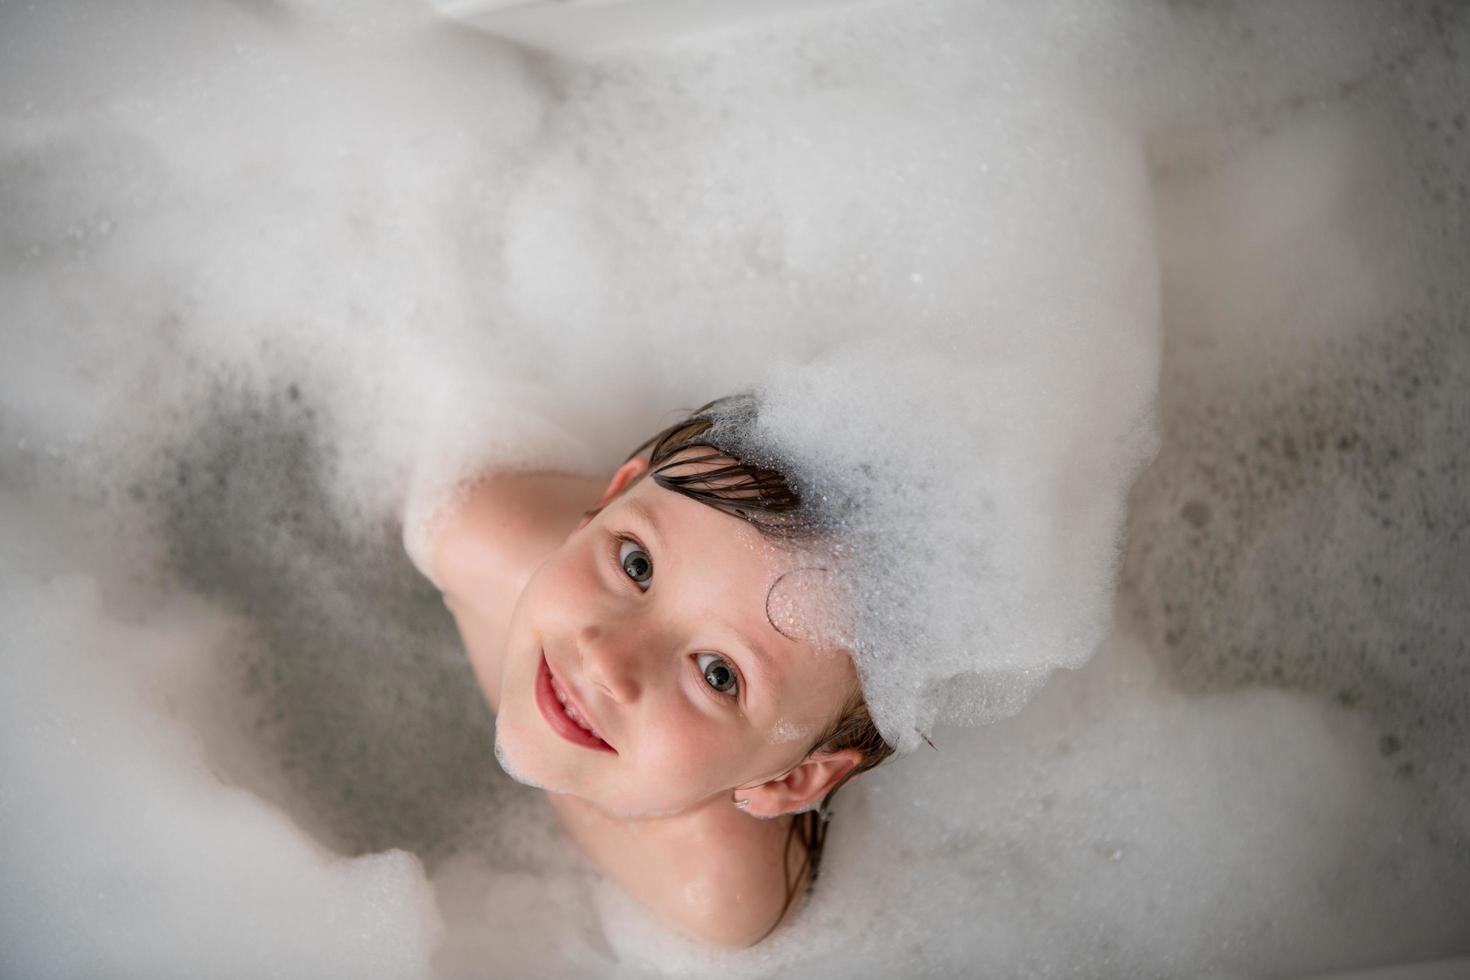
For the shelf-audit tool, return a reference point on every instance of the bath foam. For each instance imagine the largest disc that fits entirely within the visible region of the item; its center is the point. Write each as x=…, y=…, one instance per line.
x=367, y=153
x=125, y=856
x=1313, y=469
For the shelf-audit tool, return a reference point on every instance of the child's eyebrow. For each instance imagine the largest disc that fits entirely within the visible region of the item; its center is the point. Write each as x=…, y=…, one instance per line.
x=765, y=669
x=645, y=513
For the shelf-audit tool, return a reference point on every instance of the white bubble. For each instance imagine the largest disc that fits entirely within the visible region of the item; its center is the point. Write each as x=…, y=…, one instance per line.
x=788, y=731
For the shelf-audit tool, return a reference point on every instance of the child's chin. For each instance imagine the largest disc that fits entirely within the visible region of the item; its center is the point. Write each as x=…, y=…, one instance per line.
x=508, y=760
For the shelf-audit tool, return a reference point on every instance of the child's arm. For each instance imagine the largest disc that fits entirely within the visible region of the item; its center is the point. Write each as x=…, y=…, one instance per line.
x=487, y=546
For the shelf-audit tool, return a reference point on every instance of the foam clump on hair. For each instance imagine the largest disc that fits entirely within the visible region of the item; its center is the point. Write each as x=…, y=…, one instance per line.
x=924, y=476
x=975, y=481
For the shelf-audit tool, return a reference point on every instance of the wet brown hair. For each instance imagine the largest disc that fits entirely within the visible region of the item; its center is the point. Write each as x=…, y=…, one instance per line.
x=708, y=457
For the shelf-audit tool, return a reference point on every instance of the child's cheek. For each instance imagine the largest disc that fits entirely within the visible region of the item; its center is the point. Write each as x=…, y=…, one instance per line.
x=688, y=753
x=560, y=588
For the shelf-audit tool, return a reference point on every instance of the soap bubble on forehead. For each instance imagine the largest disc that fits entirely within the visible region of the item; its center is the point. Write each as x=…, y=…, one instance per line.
x=809, y=604
x=786, y=730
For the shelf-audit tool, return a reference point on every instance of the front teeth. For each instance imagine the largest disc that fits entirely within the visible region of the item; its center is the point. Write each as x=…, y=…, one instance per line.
x=570, y=711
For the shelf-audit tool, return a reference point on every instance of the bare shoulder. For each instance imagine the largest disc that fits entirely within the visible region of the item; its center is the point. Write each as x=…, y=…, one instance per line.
x=507, y=521
x=717, y=878
x=486, y=544
x=736, y=888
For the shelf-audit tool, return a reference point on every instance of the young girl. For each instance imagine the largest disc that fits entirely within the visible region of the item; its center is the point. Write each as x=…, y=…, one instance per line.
x=638, y=674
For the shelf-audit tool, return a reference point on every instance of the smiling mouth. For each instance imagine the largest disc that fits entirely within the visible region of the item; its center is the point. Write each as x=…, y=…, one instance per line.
x=562, y=714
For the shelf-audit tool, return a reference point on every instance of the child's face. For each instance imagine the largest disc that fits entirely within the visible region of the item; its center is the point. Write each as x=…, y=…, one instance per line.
x=652, y=620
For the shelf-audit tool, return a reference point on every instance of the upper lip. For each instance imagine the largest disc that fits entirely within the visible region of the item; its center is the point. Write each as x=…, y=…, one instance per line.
x=576, y=700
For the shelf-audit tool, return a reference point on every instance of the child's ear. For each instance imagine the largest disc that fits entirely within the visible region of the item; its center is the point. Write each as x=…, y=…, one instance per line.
x=804, y=786
x=621, y=480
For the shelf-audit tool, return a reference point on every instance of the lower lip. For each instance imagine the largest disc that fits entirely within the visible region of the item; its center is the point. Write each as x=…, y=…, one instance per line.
x=552, y=711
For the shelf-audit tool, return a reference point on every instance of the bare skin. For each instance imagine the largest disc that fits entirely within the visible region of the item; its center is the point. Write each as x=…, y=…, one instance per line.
x=650, y=616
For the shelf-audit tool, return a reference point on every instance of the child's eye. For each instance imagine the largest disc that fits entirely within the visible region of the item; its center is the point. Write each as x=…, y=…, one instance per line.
x=637, y=563
x=718, y=673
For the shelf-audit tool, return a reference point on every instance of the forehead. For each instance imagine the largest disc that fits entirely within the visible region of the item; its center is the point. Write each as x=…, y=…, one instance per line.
x=726, y=578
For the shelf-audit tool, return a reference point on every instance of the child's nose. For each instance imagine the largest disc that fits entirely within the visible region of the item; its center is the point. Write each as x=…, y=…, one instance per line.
x=612, y=660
